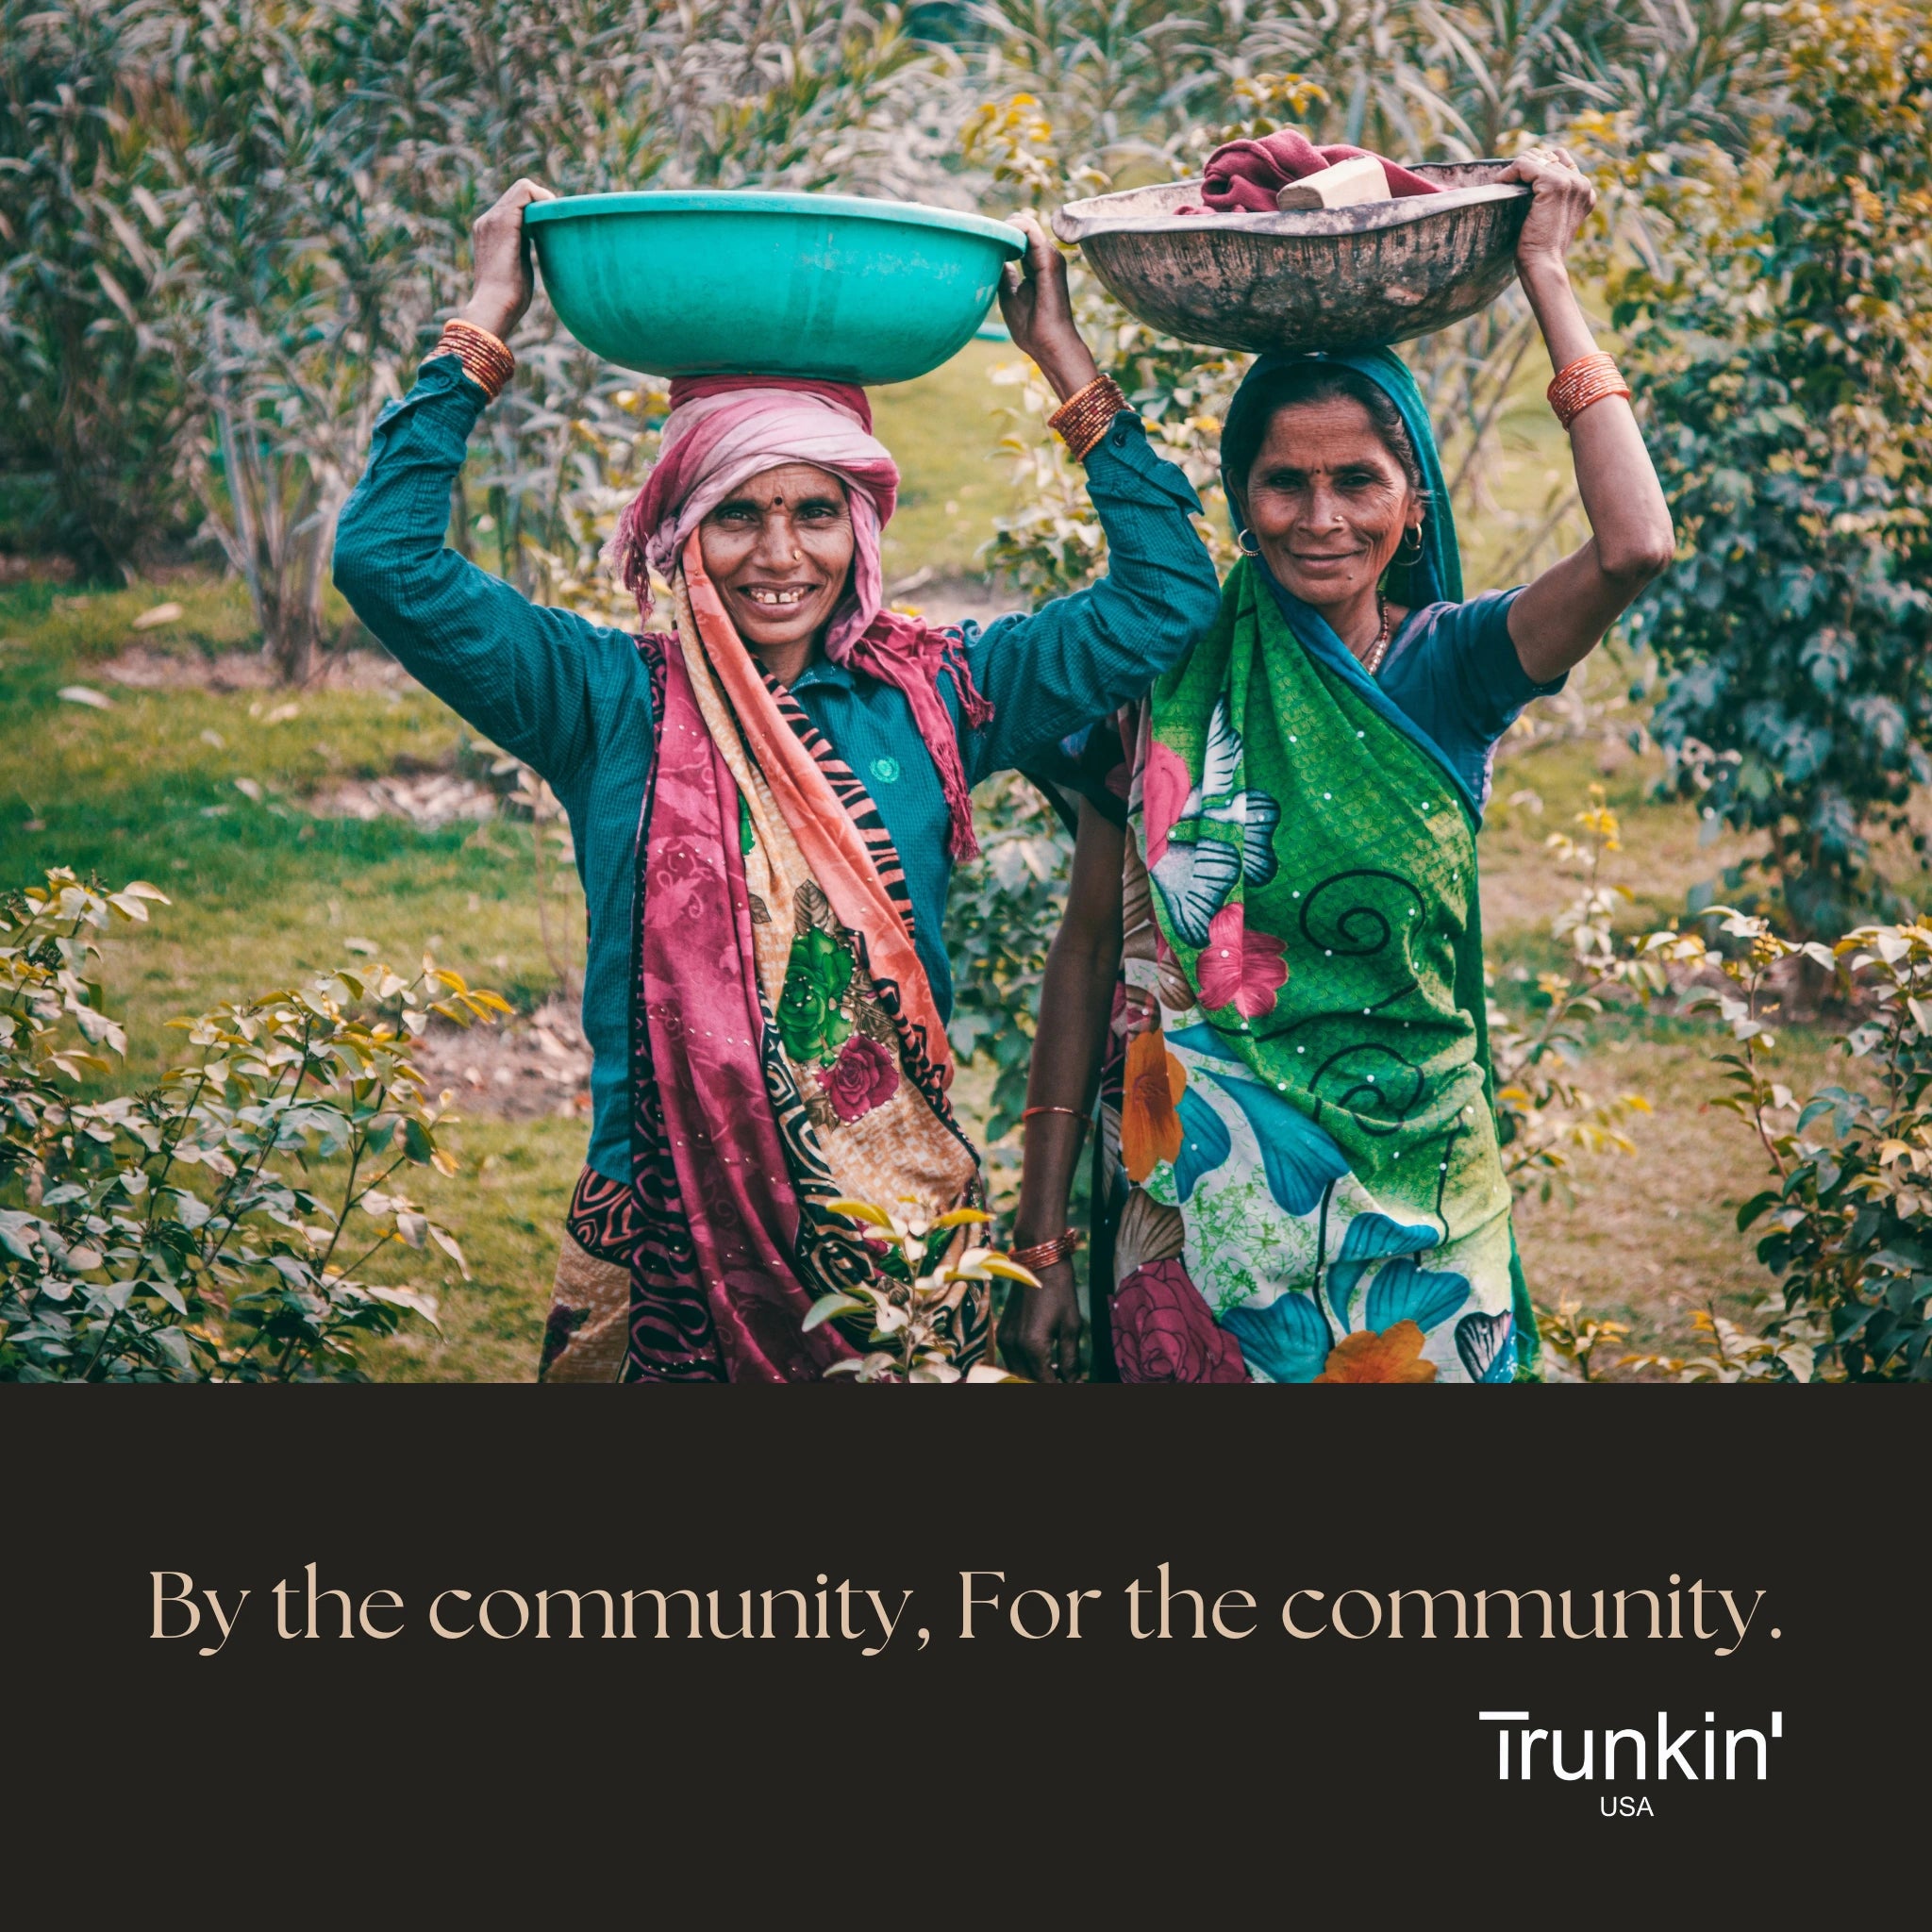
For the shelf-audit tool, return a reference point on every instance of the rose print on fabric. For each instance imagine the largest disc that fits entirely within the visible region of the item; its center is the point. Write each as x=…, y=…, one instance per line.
x=863, y=1076
x=1163, y=1331
x=1238, y=968
x=817, y=974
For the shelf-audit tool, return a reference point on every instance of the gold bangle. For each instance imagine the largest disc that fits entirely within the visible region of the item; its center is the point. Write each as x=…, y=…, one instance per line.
x=1082, y=419
x=1589, y=379
x=486, y=358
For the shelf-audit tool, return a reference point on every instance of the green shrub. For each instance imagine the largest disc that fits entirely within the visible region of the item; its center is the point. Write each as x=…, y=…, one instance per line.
x=1851, y=1217
x=212, y=1227
x=1850, y=1214
x=1783, y=339
x=1001, y=917
x=91, y=412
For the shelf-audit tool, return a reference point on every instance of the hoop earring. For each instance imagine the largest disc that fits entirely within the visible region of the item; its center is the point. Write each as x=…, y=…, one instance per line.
x=1247, y=545
x=1414, y=555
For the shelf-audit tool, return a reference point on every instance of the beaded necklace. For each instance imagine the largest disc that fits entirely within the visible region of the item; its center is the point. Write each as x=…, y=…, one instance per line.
x=1372, y=662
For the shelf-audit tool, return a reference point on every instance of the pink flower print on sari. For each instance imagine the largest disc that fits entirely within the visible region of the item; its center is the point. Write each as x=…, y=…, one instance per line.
x=1164, y=789
x=1238, y=968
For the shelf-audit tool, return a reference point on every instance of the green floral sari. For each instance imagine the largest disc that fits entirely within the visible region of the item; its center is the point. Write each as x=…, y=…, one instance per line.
x=1302, y=1141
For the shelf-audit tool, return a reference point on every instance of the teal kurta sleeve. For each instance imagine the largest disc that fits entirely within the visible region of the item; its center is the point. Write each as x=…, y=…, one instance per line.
x=569, y=697
x=524, y=674
x=1050, y=672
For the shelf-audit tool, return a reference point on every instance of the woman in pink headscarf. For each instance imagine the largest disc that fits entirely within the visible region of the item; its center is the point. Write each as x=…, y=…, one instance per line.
x=767, y=800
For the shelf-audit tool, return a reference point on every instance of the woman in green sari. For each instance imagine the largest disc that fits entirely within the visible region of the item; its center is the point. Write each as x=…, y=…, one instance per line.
x=1275, y=898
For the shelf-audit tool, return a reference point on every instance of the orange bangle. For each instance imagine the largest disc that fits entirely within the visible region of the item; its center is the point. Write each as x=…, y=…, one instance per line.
x=486, y=358
x=1046, y=1253
x=1589, y=379
x=1081, y=421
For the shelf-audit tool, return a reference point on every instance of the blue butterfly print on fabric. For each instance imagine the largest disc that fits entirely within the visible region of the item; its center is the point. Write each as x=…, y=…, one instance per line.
x=1288, y=1341
x=1195, y=880
x=1407, y=1292
x=1260, y=814
x=1483, y=1341
x=1205, y=1142
x=1221, y=763
x=1372, y=1238
x=1300, y=1160
x=1197, y=875
x=1214, y=800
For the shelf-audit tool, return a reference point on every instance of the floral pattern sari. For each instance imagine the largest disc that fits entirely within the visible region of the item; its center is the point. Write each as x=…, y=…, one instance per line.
x=1300, y=1173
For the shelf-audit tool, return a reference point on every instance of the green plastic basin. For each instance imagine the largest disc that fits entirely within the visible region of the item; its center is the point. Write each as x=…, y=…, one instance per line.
x=746, y=283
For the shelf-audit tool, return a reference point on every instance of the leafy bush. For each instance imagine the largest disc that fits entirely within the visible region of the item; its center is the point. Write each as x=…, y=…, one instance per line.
x=1851, y=1213
x=1783, y=340
x=1573, y=1338
x=1544, y=1116
x=87, y=397
x=1001, y=918
x=910, y=1307
x=212, y=1226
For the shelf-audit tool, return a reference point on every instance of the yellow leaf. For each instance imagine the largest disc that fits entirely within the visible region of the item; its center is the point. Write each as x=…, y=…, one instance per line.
x=862, y=1210
x=998, y=1264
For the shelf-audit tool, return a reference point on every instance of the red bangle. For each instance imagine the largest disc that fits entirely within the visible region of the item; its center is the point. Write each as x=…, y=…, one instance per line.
x=1045, y=1254
x=1028, y=1113
x=1589, y=379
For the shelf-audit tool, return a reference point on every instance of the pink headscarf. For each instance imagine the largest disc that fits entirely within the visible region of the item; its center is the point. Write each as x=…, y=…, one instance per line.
x=723, y=430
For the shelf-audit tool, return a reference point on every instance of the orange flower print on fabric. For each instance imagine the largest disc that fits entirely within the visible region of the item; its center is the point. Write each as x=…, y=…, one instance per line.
x=1393, y=1355
x=1150, y=1090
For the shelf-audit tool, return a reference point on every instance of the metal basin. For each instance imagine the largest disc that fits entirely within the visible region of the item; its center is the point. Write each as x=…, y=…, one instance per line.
x=1315, y=278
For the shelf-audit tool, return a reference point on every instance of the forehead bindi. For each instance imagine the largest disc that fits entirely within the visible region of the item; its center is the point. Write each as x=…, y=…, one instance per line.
x=789, y=486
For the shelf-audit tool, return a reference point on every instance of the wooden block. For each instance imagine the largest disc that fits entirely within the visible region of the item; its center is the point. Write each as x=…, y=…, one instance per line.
x=1362, y=177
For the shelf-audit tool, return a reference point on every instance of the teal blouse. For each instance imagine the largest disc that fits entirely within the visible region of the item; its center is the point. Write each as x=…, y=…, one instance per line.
x=572, y=698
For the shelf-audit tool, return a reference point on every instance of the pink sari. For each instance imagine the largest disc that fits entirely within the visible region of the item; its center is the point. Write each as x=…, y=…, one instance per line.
x=786, y=1046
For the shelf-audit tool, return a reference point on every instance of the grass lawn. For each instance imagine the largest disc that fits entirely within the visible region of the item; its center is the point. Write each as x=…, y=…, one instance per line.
x=944, y=431
x=202, y=790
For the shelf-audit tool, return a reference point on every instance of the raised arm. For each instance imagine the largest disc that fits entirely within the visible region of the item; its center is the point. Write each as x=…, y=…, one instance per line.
x=1561, y=617
x=1082, y=656
x=519, y=672
x=1039, y=1335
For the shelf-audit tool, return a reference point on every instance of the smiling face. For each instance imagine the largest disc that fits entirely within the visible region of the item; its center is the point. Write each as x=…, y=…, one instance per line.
x=1328, y=502
x=779, y=550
